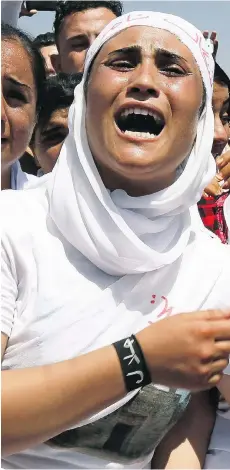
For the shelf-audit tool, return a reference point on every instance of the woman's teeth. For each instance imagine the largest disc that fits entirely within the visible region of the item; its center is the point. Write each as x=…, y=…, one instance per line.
x=144, y=112
x=142, y=135
x=140, y=123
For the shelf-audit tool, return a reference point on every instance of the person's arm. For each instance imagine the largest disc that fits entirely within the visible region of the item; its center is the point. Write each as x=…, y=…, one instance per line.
x=39, y=403
x=25, y=12
x=186, y=444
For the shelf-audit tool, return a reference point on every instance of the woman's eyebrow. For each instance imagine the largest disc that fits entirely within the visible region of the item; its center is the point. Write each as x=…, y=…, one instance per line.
x=124, y=50
x=158, y=52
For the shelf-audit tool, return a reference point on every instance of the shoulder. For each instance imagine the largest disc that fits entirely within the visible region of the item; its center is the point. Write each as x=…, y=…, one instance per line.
x=216, y=259
x=21, y=209
x=209, y=245
x=213, y=251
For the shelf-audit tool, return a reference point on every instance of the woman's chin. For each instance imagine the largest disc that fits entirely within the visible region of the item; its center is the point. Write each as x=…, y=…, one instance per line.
x=135, y=166
x=142, y=157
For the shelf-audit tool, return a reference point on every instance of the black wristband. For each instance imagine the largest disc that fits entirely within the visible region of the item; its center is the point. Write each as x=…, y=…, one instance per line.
x=133, y=365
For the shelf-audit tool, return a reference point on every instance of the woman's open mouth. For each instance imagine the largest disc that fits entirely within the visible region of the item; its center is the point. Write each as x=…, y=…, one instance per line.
x=140, y=123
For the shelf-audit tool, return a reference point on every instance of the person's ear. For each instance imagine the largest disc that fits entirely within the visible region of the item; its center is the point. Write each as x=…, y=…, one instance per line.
x=56, y=63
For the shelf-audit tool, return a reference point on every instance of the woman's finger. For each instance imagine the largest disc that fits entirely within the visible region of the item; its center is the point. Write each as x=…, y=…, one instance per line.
x=226, y=184
x=215, y=49
x=223, y=160
x=205, y=34
x=219, y=365
x=32, y=12
x=215, y=379
x=213, y=189
x=224, y=174
x=213, y=36
x=223, y=347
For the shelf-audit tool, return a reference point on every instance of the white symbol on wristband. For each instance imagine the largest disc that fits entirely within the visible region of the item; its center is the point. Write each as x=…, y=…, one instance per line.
x=133, y=357
x=138, y=372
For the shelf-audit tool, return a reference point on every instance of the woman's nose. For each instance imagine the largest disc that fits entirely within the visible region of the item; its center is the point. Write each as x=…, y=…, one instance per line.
x=145, y=80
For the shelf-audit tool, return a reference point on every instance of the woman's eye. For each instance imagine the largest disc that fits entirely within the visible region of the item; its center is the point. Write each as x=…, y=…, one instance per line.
x=121, y=64
x=16, y=98
x=173, y=70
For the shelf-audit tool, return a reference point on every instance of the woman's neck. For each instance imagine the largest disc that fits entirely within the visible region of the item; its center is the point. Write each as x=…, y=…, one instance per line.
x=6, y=178
x=132, y=186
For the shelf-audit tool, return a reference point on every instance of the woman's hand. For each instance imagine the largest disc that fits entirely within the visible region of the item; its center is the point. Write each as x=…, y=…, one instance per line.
x=25, y=12
x=222, y=178
x=223, y=165
x=188, y=350
x=213, y=39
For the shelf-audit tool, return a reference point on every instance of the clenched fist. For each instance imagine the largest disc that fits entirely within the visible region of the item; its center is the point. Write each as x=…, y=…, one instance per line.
x=222, y=179
x=188, y=350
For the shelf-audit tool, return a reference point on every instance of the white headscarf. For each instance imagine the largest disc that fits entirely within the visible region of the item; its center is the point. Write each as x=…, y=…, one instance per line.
x=118, y=233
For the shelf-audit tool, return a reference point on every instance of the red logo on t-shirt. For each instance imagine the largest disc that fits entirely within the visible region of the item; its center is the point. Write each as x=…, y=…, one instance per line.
x=166, y=309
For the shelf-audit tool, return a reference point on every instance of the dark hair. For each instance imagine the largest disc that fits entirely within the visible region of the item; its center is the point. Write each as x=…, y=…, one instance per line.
x=44, y=40
x=36, y=59
x=64, y=9
x=57, y=93
x=221, y=77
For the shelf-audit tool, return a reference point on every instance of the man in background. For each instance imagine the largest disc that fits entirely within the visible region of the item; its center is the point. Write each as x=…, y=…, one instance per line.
x=211, y=205
x=45, y=43
x=76, y=26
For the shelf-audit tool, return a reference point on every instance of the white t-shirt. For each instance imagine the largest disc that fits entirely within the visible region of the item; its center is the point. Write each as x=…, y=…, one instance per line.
x=20, y=179
x=51, y=298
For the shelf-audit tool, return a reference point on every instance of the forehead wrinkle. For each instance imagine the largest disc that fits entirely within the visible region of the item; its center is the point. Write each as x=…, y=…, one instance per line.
x=155, y=52
x=159, y=41
x=144, y=42
x=16, y=63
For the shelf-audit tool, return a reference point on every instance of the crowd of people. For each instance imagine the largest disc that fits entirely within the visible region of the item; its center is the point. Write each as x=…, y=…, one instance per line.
x=115, y=140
